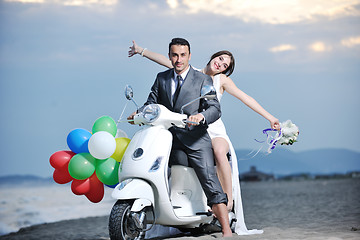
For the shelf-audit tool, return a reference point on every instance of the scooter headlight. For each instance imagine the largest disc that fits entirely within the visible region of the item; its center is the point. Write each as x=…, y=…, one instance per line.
x=151, y=113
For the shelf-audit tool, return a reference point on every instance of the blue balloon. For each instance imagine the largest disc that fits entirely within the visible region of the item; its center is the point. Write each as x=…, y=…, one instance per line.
x=77, y=140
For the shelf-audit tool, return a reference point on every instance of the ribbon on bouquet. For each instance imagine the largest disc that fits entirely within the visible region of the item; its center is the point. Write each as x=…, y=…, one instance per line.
x=270, y=141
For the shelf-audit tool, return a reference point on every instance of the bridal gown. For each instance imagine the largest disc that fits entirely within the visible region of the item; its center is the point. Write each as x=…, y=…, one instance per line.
x=217, y=129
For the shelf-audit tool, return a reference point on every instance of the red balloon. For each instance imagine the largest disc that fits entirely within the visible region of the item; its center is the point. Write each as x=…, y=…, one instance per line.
x=60, y=159
x=80, y=187
x=62, y=176
x=96, y=192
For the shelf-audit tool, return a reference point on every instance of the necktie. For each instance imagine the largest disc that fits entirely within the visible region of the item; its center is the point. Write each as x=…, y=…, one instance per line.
x=179, y=83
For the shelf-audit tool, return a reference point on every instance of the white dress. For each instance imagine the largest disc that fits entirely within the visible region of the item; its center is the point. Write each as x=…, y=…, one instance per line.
x=217, y=129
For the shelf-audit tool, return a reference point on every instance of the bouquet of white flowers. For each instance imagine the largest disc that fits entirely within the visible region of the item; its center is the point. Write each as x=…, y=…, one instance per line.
x=289, y=133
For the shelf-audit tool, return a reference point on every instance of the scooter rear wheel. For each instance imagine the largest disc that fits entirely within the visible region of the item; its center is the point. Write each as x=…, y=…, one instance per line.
x=121, y=225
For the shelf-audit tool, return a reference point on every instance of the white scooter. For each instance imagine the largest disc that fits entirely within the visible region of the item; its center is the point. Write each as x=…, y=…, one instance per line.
x=146, y=195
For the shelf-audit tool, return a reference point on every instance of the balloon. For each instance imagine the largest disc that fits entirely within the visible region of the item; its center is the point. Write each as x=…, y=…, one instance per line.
x=60, y=159
x=77, y=140
x=62, y=176
x=120, y=134
x=105, y=123
x=96, y=192
x=102, y=145
x=80, y=187
x=82, y=166
x=107, y=171
x=121, y=145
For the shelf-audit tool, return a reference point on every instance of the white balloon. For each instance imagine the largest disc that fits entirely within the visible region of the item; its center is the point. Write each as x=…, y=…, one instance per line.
x=120, y=133
x=102, y=145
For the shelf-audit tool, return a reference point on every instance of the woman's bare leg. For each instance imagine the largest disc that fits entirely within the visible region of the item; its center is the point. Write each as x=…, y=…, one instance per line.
x=223, y=169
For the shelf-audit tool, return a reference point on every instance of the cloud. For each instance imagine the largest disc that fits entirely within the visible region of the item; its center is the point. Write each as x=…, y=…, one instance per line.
x=26, y=1
x=70, y=2
x=320, y=47
x=282, y=48
x=273, y=12
x=350, y=42
x=172, y=3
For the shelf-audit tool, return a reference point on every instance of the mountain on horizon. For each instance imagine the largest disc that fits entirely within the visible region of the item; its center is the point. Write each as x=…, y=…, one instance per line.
x=280, y=162
x=284, y=162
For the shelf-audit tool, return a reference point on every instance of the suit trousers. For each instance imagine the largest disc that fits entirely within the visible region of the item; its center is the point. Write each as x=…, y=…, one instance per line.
x=202, y=161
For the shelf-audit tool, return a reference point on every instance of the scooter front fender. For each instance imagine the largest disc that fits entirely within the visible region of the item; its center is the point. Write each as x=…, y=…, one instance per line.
x=133, y=189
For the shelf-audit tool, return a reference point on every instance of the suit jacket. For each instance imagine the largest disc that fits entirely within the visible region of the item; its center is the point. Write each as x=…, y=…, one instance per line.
x=194, y=137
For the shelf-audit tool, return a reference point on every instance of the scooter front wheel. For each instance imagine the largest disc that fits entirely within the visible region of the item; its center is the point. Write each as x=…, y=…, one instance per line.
x=121, y=225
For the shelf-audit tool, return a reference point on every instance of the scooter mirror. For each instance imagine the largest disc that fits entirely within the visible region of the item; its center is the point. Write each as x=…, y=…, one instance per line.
x=208, y=91
x=129, y=93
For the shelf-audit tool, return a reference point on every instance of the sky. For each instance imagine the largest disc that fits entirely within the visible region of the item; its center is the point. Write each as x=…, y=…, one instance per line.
x=64, y=63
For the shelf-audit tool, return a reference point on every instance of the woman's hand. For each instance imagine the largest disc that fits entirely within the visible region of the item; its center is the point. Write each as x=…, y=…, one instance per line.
x=274, y=123
x=134, y=49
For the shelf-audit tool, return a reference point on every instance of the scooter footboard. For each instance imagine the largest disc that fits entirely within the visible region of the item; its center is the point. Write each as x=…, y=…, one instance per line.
x=187, y=195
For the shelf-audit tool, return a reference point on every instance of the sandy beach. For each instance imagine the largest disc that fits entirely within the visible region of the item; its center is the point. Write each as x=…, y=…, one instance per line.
x=95, y=228
x=311, y=210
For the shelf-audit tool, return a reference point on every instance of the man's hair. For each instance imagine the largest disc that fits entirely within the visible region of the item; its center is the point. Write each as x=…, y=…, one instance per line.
x=179, y=41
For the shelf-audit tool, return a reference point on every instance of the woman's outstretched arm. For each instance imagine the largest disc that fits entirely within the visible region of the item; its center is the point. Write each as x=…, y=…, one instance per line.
x=153, y=56
x=229, y=86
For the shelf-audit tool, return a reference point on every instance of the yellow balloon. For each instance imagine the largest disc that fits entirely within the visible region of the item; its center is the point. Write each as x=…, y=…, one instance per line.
x=121, y=145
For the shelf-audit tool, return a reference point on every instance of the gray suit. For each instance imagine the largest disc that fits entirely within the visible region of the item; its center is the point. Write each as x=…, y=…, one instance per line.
x=192, y=145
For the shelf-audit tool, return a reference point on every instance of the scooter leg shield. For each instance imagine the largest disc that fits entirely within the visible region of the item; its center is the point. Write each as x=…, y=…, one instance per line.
x=134, y=189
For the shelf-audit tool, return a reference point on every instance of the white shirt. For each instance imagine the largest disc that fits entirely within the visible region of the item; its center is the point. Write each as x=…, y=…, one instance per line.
x=174, y=81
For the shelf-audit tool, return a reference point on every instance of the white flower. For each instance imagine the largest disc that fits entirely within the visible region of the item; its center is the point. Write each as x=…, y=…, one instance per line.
x=289, y=133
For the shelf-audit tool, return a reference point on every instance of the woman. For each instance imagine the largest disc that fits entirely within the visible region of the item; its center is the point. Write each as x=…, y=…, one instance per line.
x=220, y=67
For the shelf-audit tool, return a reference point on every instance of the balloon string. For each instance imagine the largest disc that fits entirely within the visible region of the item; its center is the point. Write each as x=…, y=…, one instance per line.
x=122, y=113
x=125, y=121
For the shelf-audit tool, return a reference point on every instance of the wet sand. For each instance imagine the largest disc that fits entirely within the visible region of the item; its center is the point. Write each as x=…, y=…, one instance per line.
x=95, y=228
x=310, y=210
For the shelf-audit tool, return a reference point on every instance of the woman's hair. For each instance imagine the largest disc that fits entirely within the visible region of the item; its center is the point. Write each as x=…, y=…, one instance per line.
x=231, y=66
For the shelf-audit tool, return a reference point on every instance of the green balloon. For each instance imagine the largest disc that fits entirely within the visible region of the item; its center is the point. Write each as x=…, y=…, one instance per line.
x=82, y=166
x=107, y=171
x=105, y=123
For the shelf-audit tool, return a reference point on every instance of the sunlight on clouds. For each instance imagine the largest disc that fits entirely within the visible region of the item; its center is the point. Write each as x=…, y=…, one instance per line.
x=26, y=1
x=282, y=48
x=273, y=12
x=172, y=3
x=350, y=42
x=319, y=47
x=70, y=2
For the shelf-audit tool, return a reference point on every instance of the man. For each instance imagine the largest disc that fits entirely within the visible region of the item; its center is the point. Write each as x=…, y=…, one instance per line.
x=192, y=145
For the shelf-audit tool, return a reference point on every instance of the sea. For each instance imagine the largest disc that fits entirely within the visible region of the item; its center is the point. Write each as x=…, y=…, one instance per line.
x=311, y=204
